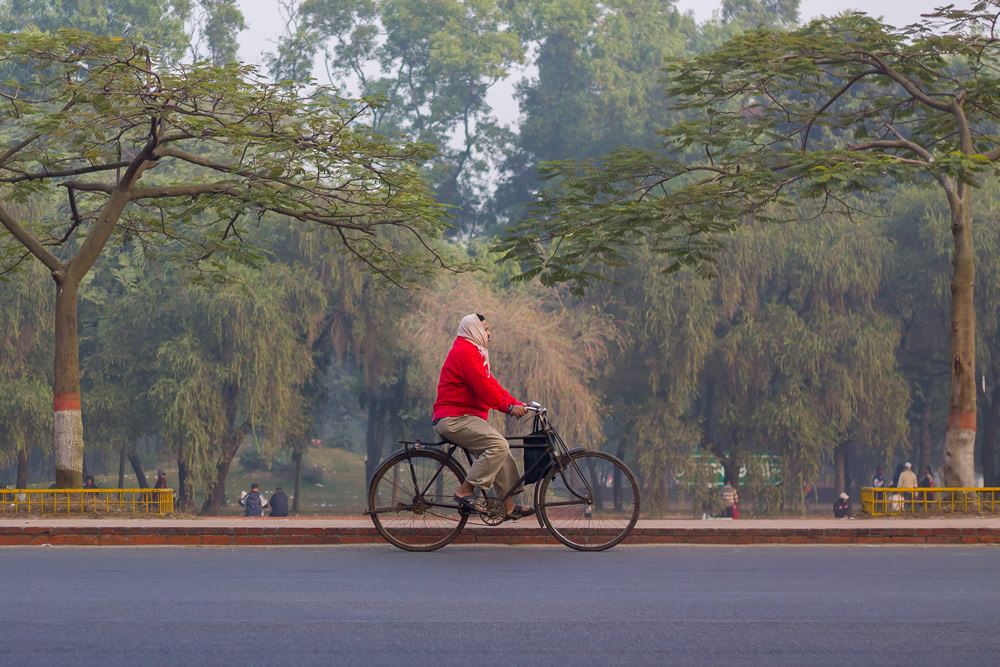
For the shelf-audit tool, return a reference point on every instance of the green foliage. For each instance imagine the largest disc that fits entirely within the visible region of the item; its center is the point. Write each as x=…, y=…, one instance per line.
x=236, y=365
x=824, y=112
x=432, y=61
x=25, y=363
x=158, y=21
x=225, y=151
x=760, y=497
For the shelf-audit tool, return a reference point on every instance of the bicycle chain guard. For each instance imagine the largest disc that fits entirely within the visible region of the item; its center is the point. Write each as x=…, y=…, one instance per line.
x=495, y=513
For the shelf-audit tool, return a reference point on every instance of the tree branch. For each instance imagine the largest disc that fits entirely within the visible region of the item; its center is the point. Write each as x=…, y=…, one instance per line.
x=906, y=83
x=31, y=243
x=847, y=86
x=37, y=176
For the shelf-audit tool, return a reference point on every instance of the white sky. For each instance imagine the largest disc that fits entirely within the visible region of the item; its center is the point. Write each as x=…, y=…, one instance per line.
x=893, y=12
x=264, y=25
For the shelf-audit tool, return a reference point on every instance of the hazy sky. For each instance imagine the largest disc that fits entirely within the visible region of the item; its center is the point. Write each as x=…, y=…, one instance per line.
x=264, y=25
x=264, y=21
x=894, y=12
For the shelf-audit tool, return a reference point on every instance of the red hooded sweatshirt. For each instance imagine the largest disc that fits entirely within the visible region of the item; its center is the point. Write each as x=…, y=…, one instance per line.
x=467, y=387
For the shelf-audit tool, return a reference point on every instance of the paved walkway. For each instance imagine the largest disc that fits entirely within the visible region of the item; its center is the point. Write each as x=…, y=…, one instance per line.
x=235, y=531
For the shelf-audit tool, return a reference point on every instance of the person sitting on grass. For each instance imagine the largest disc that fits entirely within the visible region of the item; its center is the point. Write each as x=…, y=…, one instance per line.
x=279, y=503
x=466, y=392
x=253, y=502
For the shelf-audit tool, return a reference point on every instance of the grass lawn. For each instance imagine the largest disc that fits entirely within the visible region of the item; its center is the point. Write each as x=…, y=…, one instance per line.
x=333, y=482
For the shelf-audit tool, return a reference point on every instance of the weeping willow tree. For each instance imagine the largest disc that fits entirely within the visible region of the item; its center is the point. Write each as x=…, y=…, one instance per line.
x=652, y=380
x=186, y=161
x=805, y=364
x=234, y=368
x=360, y=331
x=25, y=360
x=785, y=352
x=542, y=349
x=119, y=310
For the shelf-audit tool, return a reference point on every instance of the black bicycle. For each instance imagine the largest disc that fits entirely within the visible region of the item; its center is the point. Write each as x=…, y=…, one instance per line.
x=588, y=500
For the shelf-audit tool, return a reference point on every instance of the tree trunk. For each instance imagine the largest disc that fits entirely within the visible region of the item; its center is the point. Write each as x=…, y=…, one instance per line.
x=217, y=492
x=67, y=418
x=373, y=443
x=960, y=440
x=925, y=437
x=185, y=493
x=840, y=469
x=133, y=459
x=297, y=456
x=22, y=469
x=731, y=474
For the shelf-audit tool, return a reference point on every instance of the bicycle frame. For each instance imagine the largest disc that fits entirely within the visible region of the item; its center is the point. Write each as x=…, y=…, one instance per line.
x=541, y=427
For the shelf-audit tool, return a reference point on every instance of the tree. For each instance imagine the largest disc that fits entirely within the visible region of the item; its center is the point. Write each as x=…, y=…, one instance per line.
x=761, y=13
x=598, y=84
x=201, y=29
x=542, y=348
x=157, y=21
x=840, y=106
x=233, y=369
x=185, y=161
x=216, y=25
x=25, y=356
x=433, y=61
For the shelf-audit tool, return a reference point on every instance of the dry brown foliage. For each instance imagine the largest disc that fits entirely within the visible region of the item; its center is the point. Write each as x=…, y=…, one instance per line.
x=541, y=350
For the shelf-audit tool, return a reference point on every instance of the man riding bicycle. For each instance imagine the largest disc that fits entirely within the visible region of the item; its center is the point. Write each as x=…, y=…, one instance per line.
x=466, y=392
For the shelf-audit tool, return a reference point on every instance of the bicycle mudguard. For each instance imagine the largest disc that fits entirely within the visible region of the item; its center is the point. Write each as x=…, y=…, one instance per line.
x=414, y=445
x=564, y=459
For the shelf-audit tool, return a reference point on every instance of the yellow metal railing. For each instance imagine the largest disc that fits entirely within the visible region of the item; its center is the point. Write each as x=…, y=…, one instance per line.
x=95, y=501
x=892, y=501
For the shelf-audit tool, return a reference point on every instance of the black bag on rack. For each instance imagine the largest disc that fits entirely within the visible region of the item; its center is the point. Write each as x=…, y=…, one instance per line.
x=541, y=456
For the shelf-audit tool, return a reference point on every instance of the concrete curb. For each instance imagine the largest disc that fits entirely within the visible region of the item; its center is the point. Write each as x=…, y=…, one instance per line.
x=146, y=533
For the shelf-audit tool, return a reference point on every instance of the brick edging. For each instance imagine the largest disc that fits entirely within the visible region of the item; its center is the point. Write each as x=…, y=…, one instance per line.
x=292, y=535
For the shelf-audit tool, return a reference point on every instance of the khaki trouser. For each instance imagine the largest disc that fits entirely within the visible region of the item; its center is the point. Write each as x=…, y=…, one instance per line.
x=494, y=466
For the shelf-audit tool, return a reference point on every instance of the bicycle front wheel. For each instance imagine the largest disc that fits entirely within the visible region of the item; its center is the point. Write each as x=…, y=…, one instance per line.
x=411, y=500
x=590, y=505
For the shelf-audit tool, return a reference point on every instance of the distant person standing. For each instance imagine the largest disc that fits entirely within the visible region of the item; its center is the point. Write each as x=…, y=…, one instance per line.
x=899, y=471
x=842, y=507
x=730, y=500
x=89, y=484
x=907, y=480
x=253, y=502
x=878, y=481
x=927, y=482
x=279, y=503
x=161, y=480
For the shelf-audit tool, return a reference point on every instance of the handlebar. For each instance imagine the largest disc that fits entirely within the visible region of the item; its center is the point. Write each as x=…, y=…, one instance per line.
x=534, y=406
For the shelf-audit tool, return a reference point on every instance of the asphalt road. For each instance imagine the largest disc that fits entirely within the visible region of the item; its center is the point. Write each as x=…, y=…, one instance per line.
x=479, y=605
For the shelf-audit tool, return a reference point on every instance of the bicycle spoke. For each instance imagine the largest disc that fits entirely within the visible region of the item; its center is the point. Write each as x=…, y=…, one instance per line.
x=411, y=501
x=608, y=509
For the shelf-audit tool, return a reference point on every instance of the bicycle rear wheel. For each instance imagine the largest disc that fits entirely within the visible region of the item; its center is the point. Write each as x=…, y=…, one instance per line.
x=411, y=500
x=592, y=504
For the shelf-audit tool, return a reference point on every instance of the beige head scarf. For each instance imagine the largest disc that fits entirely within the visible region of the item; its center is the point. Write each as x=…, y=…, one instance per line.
x=471, y=328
